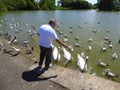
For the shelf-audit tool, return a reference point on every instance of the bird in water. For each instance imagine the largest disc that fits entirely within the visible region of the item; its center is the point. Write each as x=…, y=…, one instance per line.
x=100, y=63
x=114, y=56
x=110, y=74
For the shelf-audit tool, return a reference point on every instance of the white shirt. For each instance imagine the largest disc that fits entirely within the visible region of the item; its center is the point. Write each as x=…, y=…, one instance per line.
x=46, y=35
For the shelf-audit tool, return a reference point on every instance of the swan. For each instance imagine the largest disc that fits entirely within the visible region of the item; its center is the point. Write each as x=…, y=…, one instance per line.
x=67, y=55
x=89, y=48
x=56, y=54
x=110, y=74
x=82, y=54
x=81, y=63
x=114, y=56
x=100, y=63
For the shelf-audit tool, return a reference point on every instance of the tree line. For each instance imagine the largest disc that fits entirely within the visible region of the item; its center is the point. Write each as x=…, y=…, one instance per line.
x=8, y=5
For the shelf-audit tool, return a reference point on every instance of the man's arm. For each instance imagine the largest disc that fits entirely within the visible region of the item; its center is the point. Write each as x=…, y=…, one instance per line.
x=60, y=42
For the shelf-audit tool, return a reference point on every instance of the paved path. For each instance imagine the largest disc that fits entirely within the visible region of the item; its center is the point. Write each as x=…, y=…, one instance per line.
x=15, y=75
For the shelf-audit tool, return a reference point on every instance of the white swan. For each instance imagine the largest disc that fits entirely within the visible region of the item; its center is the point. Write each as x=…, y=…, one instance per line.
x=81, y=63
x=67, y=55
x=56, y=54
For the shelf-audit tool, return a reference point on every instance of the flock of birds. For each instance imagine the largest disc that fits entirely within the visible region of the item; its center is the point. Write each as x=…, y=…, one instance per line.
x=82, y=59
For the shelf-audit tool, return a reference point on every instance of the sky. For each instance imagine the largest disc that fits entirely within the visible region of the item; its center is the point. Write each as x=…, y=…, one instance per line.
x=92, y=1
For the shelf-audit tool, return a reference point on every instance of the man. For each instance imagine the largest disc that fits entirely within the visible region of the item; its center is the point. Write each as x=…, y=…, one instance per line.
x=46, y=35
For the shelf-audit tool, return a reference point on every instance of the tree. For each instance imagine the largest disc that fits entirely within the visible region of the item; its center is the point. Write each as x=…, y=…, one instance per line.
x=47, y=4
x=109, y=5
x=2, y=7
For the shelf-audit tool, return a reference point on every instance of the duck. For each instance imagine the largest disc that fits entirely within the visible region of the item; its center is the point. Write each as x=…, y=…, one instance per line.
x=110, y=74
x=7, y=51
x=12, y=40
x=100, y=63
x=16, y=49
x=104, y=49
x=14, y=54
x=78, y=44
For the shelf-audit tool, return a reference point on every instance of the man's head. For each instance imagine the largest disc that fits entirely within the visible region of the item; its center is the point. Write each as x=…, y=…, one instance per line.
x=52, y=23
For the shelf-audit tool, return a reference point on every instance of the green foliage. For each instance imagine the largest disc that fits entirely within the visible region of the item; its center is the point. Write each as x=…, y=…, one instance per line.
x=2, y=7
x=47, y=4
x=76, y=4
x=109, y=5
x=21, y=5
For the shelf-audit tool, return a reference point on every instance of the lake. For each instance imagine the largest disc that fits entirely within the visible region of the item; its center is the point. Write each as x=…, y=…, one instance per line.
x=84, y=24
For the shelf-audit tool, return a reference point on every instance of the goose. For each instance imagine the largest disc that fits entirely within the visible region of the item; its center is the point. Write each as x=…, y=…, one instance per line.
x=81, y=63
x=114, y=56
x=110, y=74
x=100, y=63
x=67, y=55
